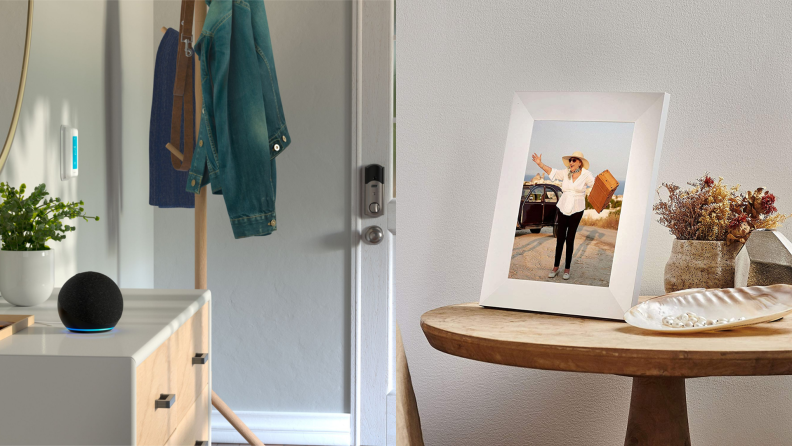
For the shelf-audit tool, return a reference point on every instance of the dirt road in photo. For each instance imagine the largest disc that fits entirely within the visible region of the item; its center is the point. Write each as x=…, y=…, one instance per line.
x=533, y=255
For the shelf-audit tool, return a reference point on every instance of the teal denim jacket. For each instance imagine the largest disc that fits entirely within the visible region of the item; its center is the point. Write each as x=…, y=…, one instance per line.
x=242, y=126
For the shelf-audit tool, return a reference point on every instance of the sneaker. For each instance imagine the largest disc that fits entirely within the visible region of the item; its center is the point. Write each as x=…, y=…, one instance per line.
x=552, y=274
x=566, y=276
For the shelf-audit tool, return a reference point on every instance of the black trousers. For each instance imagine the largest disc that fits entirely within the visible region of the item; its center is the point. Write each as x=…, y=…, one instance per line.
x=567, y=228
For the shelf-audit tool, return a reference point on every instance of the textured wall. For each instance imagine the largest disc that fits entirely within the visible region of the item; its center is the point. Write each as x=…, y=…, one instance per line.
x=727, y=68
x=87, y=69
x=281, y=302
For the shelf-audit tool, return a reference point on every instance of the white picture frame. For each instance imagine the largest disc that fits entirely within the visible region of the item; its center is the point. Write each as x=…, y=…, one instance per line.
x=648, y=112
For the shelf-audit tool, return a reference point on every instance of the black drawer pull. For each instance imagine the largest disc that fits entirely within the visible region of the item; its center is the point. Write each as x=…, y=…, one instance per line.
x=201, y=443
x=165, y=401
x=200, y=358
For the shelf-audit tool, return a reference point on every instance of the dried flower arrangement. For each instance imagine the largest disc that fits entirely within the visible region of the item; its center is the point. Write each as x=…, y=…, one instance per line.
x=711, y=210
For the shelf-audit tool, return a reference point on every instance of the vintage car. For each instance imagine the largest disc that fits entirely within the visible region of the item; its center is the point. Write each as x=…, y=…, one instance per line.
x=538, y=207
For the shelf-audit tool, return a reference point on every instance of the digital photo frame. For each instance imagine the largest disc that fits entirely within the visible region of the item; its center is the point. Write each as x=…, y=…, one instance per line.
x=502, y=287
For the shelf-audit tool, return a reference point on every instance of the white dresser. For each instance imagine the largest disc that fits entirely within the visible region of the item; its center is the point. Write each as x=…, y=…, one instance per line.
x=64, y=388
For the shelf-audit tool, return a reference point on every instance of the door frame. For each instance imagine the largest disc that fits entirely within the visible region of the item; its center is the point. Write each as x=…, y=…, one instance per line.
x=372, y=397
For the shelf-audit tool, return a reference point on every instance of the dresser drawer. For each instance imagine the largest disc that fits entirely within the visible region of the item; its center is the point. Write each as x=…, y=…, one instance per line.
x=170, y=370
x=189, y=379
x=195, y=425
x=153, y=378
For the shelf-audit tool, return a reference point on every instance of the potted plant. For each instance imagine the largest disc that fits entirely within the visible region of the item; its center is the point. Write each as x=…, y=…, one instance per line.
x=710, y=221
x=26, y=225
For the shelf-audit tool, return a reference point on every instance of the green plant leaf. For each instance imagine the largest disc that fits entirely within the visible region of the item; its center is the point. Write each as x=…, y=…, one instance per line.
x=28, y=223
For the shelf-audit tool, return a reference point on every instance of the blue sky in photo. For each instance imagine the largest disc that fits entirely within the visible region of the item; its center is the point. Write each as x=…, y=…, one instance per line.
x=606, y=145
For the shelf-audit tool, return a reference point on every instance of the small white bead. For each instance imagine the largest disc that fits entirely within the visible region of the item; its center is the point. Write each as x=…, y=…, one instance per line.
x=741, y=319
x=688, y=324
x=677, y=324
x=734, y=319
x=698, y=324
x=683, y=318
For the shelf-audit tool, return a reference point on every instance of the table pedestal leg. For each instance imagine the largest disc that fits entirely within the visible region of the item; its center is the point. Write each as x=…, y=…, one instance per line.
x=658, y=413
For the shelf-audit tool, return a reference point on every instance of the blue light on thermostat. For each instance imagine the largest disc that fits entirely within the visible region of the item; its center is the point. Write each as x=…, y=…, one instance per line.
x=89, y=329
x=74, y=152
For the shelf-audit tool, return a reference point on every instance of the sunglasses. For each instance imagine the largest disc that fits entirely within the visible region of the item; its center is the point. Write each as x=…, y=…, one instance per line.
x=572, y=160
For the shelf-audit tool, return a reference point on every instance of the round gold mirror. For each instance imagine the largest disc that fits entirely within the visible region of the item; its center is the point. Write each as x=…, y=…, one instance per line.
x=16, y=18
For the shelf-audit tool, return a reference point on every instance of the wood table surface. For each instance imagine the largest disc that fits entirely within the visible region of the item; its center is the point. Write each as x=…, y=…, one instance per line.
x=658, y=362
x=576, y=344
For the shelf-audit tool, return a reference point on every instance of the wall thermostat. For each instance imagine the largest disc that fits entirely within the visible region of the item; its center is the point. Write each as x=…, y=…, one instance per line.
x=69, y=152
x=372, y=190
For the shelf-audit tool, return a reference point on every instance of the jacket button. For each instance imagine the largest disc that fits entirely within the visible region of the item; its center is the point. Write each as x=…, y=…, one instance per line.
x=200, y=143
x=272, y=223
x=276, y=147
x=284, y=138
x=192, y=183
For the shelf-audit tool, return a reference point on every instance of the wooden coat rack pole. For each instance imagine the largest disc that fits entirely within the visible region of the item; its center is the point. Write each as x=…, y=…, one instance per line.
x=200, y=229
x=200, y=199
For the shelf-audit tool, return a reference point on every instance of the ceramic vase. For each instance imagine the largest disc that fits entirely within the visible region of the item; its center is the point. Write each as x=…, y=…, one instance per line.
x=700, y=264
x=26, y=277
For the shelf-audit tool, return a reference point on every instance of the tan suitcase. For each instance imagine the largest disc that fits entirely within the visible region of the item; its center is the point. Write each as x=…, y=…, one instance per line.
x=602, y=191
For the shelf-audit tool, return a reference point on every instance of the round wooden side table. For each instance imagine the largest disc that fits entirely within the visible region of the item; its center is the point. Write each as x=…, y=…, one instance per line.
x=658, y=363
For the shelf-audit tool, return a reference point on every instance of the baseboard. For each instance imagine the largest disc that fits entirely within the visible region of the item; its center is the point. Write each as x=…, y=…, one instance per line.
x=293, y=428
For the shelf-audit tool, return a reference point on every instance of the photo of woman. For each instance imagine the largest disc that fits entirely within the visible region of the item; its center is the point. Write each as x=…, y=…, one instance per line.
x=555, y=216
x=576, y=178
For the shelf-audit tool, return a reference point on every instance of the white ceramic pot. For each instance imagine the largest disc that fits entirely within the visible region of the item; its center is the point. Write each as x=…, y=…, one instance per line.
x=26, y=277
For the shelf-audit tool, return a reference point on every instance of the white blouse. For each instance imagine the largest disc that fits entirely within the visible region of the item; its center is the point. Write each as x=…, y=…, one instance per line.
x=574, y=197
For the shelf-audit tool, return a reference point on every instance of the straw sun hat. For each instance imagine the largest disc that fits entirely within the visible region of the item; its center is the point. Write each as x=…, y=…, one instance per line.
x=577, y=155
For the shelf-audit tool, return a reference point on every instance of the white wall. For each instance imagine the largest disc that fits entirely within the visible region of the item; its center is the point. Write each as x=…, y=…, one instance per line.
x=134, y=82
x=13, y=28
x=87, y=69
x=727, y=67
x=281, y=302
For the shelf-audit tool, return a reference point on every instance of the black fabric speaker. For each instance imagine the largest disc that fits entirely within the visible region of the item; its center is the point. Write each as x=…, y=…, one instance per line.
x=90, y=302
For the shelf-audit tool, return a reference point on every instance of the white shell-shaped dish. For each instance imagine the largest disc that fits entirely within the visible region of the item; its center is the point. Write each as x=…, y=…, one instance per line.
x=756, y=304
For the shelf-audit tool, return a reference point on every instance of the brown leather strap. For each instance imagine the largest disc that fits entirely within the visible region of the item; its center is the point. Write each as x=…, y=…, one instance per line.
x=184, y=91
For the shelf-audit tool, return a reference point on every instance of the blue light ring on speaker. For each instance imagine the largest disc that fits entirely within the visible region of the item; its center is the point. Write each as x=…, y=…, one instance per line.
x=89, y=330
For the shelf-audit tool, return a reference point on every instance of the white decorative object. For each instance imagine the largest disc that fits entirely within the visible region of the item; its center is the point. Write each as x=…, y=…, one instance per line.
x=26, y=277
x=720, y=309
x=648, y=113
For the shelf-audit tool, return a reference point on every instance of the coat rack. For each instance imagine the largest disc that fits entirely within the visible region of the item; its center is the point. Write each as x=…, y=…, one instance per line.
x=200, y=225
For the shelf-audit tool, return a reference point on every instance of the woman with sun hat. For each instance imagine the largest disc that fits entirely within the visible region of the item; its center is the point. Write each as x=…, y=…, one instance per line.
x=576, y=178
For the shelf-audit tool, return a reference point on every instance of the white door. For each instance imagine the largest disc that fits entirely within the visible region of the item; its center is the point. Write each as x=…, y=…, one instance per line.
x=284, y=297
x=373, y=400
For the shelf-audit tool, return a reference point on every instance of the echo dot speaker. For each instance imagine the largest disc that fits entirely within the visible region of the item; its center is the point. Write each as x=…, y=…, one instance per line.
x=90, y=302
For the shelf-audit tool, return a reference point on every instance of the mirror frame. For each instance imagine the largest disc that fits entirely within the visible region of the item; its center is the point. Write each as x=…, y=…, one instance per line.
x=23, y=77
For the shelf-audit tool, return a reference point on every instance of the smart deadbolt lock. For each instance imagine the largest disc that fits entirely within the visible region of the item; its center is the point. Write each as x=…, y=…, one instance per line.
x=372, y=190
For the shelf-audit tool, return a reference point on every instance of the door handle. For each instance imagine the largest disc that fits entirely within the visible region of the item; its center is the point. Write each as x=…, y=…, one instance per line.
x=373, y=235
x=200, y=358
